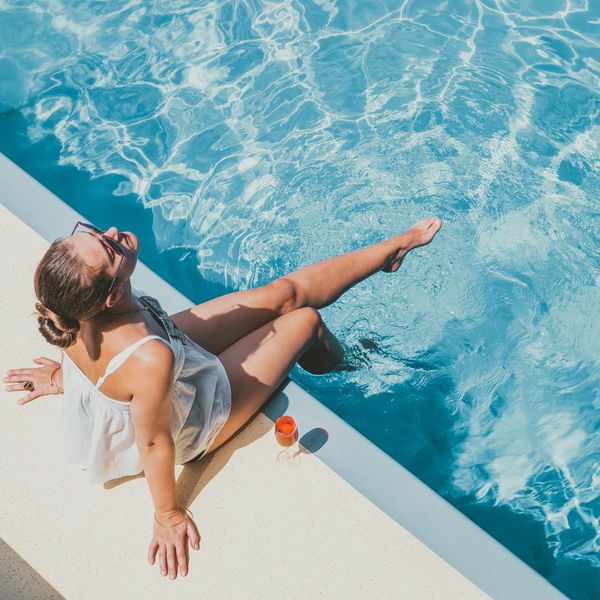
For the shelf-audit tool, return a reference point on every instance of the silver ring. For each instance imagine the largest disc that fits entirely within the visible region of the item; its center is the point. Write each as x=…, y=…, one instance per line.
x=28, y=385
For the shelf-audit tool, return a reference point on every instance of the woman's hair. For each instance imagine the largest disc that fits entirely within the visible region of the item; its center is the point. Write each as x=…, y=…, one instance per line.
x=68, y=291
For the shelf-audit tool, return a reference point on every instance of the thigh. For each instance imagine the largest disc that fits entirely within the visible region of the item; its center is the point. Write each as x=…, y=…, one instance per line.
x=219, y=323
x=257, y=364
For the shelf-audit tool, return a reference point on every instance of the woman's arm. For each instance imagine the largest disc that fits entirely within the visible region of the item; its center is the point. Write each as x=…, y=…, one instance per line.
x=151, y=408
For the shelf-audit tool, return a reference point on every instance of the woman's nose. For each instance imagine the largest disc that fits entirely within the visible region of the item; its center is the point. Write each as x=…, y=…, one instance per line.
x=112, y=232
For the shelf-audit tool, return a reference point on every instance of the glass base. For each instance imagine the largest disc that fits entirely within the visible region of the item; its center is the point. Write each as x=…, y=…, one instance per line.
x=289, y=459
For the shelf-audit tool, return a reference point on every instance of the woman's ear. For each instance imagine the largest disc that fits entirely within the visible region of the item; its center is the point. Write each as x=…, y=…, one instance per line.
x=114, y=297
x=118, y=292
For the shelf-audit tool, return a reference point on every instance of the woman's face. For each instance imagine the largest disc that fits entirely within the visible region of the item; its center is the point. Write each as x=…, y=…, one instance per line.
x=100, y=256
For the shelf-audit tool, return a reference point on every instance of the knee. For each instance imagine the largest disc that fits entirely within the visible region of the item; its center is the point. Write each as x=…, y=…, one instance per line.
x=311, y=317
x=285, y=294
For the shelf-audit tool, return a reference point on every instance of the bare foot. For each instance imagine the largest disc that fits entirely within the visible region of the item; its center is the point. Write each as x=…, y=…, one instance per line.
x=419, y=234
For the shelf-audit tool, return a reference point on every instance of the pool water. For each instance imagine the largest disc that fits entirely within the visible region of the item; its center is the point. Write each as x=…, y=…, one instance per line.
x=245, y=139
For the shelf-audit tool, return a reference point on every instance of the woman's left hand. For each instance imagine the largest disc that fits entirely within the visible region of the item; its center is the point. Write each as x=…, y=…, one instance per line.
x=39, y=378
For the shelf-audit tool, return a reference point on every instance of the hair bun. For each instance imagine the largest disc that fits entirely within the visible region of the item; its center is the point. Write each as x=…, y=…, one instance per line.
x=58, y=330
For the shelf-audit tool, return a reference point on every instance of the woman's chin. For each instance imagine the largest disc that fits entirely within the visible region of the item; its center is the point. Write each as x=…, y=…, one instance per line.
x=133, y=242
x=135, y=260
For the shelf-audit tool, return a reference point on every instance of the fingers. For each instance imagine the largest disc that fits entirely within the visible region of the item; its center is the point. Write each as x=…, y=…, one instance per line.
x=193, y=535
x=162, y=560
x=152, y=552
x=18, y=374
x=172, y=562
x=181, y=556
x=172, y=550
x=17, y=387
x=168, y=557
x=42, y=360
x=186, y=552
x=27, y=398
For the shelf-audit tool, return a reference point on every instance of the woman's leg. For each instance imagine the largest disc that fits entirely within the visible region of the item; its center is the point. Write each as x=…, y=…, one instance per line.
x=258, y=364
x=219, y=323
x=322, y=283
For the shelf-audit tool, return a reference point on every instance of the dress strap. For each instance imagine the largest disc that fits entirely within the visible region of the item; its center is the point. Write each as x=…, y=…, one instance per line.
x=122, y=356
x=161, y=317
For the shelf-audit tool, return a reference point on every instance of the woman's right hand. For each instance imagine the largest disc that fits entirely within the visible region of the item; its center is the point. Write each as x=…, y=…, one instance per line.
x=39, y=377
x=171, y=542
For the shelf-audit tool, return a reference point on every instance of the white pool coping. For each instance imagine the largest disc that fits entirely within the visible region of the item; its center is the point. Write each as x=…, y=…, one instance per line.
x=407, y=504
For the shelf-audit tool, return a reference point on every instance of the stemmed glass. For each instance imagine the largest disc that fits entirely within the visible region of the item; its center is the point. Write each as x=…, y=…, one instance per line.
x=286, y=434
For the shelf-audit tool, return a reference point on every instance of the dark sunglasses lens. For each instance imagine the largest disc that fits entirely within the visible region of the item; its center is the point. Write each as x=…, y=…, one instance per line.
x=115, y=246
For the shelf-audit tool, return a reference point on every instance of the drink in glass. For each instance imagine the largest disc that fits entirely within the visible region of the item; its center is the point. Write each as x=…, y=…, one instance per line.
x=286, y=434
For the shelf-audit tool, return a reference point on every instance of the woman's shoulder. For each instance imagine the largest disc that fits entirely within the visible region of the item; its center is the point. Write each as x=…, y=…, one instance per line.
x=150, y=369
x=130, y=355
x=151, y=364
x=152, y=346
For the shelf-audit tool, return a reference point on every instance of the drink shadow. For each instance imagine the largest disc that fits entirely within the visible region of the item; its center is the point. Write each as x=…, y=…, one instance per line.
x=312, y=441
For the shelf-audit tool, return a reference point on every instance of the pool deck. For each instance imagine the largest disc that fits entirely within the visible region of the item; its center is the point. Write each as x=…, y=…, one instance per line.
x=349, y=523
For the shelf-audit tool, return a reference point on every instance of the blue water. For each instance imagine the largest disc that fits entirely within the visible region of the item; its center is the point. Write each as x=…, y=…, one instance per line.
x=245, y=139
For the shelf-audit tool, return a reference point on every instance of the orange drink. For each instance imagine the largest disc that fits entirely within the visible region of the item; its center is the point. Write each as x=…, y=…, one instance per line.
x=286, y=431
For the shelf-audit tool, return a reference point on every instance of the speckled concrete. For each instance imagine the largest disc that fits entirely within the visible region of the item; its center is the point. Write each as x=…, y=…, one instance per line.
x=265, y=534
x=18, y=581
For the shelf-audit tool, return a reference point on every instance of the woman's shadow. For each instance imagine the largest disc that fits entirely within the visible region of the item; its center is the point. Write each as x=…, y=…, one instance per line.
x=195, y=476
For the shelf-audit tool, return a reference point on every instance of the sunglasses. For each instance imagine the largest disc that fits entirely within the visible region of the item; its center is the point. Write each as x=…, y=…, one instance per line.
x=114, y=246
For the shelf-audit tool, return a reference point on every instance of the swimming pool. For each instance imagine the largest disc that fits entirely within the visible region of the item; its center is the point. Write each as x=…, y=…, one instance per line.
x=262, y=137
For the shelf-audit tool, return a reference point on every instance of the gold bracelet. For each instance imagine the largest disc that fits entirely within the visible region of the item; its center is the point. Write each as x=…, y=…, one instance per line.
x=187, y=510
x=53, y=383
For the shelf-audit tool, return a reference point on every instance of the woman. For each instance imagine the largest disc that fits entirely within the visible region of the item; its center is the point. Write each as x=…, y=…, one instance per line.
x=172, y=389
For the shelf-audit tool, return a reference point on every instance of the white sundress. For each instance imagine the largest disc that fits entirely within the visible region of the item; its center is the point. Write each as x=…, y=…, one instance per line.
x=97, y=431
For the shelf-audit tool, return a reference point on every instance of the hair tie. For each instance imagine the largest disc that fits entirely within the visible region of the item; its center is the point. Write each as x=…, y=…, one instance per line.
x=45, y=312
x=57, y=320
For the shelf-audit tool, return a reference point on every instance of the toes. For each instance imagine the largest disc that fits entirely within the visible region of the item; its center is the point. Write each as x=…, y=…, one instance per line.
x=428, y=223
x=426, y=230
x=434, y=222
